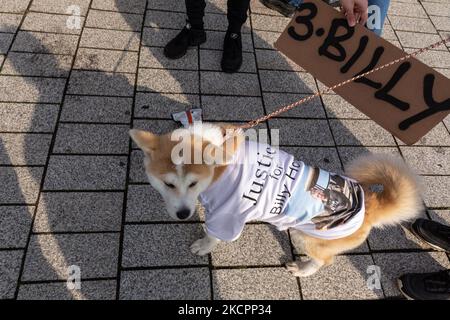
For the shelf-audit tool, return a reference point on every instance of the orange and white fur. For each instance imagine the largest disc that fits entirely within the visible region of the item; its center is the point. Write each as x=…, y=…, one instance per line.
x=180, y=185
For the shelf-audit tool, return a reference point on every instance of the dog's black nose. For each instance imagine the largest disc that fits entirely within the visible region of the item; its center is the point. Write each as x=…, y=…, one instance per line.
x=183, y=214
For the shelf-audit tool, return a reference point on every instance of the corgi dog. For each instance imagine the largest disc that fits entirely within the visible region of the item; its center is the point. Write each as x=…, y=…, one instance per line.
x=325, y=213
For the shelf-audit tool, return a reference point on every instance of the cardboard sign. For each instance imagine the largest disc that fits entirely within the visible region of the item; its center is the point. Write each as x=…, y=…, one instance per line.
x=408, y=99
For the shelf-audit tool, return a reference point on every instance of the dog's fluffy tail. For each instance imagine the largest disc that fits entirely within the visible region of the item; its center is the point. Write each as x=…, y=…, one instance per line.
x=398, y=198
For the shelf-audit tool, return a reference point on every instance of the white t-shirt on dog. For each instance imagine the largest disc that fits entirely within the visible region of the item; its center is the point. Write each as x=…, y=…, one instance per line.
x=263, y=183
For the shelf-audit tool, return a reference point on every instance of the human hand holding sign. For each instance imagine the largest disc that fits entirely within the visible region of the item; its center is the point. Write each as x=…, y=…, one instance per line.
x=355, y=11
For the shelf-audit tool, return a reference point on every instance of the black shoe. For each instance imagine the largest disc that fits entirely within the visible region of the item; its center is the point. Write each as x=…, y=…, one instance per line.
x=232, y=52
x=426, y=286
x=188, y=37
x=436, y=235
x=283, y=7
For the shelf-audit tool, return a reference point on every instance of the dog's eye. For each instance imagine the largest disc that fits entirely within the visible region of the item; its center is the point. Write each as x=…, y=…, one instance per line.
x=193, y=184
x=170, y=185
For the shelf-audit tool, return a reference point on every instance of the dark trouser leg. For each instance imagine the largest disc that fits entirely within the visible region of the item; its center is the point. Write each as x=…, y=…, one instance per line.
x=195, y=10
x=237, y=14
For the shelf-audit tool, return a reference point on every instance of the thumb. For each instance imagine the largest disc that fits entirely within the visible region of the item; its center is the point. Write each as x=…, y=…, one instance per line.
x=349, y=12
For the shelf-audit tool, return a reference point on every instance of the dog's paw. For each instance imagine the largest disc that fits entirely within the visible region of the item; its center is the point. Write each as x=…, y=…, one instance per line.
x=202, y=247
x=302, y=268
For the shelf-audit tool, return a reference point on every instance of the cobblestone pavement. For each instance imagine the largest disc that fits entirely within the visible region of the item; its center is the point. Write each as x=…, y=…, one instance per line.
x=73, y=191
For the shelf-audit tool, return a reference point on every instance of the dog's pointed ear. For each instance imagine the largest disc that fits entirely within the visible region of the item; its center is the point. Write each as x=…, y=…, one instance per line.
x=146, y=141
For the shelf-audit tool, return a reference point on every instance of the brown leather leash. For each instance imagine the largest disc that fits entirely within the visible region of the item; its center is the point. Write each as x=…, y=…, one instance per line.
x=254, y=123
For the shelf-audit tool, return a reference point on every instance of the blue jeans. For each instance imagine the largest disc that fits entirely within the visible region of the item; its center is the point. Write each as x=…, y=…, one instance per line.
x=383, y=6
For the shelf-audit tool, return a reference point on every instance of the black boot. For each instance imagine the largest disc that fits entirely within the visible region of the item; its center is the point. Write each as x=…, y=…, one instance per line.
x=426, y=286
x=436, y=235
x=232, y=52
x=188, y=37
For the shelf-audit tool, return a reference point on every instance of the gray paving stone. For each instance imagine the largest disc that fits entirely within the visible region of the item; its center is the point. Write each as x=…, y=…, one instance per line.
x=114, y=20
x=322, y=157
x=284, y=81
x=44, y=90
x=211, y=60
x=79, y=212
x=158, y=37
x=32, y=64
x=216, y=6
x=106, y=60
x=35, y=21
x=310, y=109
x=60, y=6
x=144, y=204
x=271, y=59
x=2, y=58
x=101, y=83
x=133, y=6
x=24, y=149
x=434, y=58
x=348, y=154
x=110, y=39
x=219, y=22
x=438, y=136
x=441, y=216
x=92, y=139
x=14, y=6
x=303, y=132
x=156, y=126
x=245, y=84
x=86, y=173
x=433, y=191
x=45, y=42
x=257, y=7
x=174, y=5
x=418, y=40
x=428, y=160
x=441, y=23
x=393, y=265
x=137, y=171
x=90, y=290
x=437, y=9
x=169, y=81
x=231, y=108
x=346, y=278
x=96, y=109
x=20, y=184
x=165, y=19
x=254, y=283
x=49, y=256
x=410, y=10
x=166, y=284
x=265, y=39
x=266, y=23
x=10, y=262
x=161, y=245
x=10, y=22
x=214, y=40
x=162, y=105
x=5, y=42
x=259, y=244
x=15, y=223
x=360, y=132
x=153, y=57
x=394, y=238
x=412, y=24
x=27, y=117
x=337, y=107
